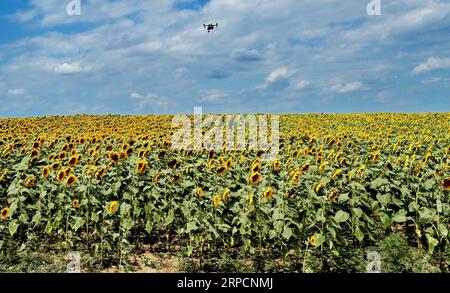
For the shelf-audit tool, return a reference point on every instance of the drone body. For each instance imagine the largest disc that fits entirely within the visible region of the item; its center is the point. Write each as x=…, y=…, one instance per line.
x=209, y=27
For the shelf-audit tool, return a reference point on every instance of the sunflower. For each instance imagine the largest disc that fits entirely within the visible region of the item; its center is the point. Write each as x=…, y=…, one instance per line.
x=216, y=200
x=336, y=174
x=334, y=195
x=113, y=207
x=114, y=157
x=229, y=162
x=255, y=178
x=176, y=178
x=296, y=176
x=276, y=164
x=62, y=155
x=226, y=195
x=319, y=187
x=322, y=166
x=268, y=193
x=73, y=161
x=4, y=175
x=141, y=166
x=221, y=169
x=199, y=191
x=305, y=167
x=361, y=169
x=100, y=173
x=445, y=184
x=29, y=182
x=46, y=171
x=56, y=166
x=34, y=153
x=256, y=166
x=250, y=199
x=71, y=180
x=76, y=203
x=5, y=213
x=313, y=240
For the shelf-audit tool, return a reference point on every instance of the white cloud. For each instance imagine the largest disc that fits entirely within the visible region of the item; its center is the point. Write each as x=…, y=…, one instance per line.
x=301, y=84
x=71, y=68
x=346, y=88
x=432, y=64
x=17, y=92
x=214, y=96
x=150, y=101
x=279, y=74
x=431, y=80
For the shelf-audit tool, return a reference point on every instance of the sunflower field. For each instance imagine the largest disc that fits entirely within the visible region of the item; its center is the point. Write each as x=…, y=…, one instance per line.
x=112, y=187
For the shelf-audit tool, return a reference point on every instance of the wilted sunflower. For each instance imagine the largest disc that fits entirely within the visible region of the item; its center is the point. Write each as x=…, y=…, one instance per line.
x=141, y=166
x=76, y=203
x=5, y=213
x=334, y=195
x=113, y=207
x=445, y=184
x=268, y=194
x=255, y=178
x=199, y=191
x=216, y=200
x=221, y=169
x=71, y=180
x=29, y=182
x=305, y=167
x=46, y=172
x=229, y=162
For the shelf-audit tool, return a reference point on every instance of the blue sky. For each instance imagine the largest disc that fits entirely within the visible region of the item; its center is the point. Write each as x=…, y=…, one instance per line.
x=284, y=56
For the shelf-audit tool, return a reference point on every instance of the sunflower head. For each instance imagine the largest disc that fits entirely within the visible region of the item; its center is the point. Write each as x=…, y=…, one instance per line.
x=319, y=187
x=336, y=174
x=114, y=157
x=5, y=213
x=71, y=180
x=29, y=182
x=276, y=165
x=445, y=184
x=100, y=173
x=250, y=199
x=46, y=171
x=73, y=161
x=268, y=193
x=113, y=207
x=226, y=195
x=313, y=240
x=255, y=178
x=76, y=203
x=229, y=162
x=56, y=165
x=221, y=169
x=216, y=200
x=141, y=166
x=199, y=191
x=176, y=178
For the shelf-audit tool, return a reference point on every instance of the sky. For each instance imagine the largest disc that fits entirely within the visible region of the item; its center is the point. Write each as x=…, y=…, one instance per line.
x=285, y=56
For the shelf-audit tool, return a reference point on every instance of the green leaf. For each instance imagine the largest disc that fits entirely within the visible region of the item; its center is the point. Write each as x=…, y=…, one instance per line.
x=287, y=233
x=426, y=215
x=78, y=223
x=386, y=219
x=359, y=234
x=343, y=198
x=379, y=182
x=341, y=216
x=191, y=226
x=149, y=226
x=432, y=243
x=443, y=230
x=13, y=225
x=400, y=216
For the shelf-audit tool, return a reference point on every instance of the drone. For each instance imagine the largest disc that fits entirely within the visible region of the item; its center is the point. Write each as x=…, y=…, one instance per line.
x=210, y=27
